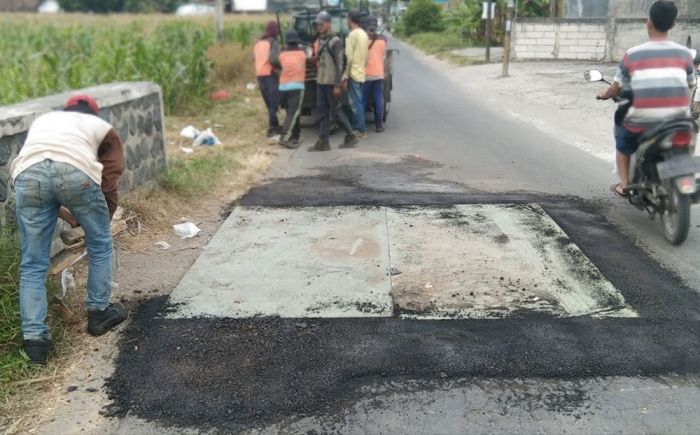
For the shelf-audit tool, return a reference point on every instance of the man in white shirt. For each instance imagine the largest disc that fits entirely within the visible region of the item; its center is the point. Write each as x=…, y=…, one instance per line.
x=69, y=164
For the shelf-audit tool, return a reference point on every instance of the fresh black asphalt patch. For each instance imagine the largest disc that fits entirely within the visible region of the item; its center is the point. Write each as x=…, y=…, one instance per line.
x=232, y=374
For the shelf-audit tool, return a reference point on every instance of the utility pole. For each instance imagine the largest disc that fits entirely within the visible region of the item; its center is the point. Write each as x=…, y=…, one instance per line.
x=219, y=20
x=507, y=39
x=489, y=18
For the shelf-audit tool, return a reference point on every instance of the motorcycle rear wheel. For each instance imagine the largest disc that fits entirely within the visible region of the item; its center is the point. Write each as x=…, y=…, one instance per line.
x=677, y=222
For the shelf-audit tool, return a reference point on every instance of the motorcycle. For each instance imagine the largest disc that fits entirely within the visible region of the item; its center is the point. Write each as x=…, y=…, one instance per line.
x=663, y=173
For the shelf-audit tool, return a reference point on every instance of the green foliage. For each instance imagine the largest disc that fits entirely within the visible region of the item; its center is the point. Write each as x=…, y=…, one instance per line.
x=464, y=20
x=50, y=59
x=105, y=6
x=422, y=16
x=534, y=8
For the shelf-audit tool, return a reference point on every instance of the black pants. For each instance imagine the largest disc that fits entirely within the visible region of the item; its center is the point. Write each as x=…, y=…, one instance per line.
x=291, y=102
x=327, y=104
x=269, y=88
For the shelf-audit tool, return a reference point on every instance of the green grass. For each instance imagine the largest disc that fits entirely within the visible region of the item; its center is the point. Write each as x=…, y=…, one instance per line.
x=46, y=59
x=13, y=363
x=441, y=46
x=200, y=173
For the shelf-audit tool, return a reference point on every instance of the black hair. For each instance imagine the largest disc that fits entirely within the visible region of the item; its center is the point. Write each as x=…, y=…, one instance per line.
x=355, y=17
x=663, y=14
x=81, y=107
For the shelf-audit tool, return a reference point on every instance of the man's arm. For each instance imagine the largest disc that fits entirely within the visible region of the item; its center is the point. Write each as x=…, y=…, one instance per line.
x=350, y=43
x=621, y=82
x=337, y=53
x=111, y=155
x=692, y=77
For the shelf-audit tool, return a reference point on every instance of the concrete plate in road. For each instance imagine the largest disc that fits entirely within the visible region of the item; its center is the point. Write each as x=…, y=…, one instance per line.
x=294, y=262
x=490, y=261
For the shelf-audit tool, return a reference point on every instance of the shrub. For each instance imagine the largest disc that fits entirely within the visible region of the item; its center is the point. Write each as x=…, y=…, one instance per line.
x=422, y=16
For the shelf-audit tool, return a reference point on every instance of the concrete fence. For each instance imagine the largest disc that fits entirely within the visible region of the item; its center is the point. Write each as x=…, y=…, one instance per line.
x=135, y=109
x=603, y=40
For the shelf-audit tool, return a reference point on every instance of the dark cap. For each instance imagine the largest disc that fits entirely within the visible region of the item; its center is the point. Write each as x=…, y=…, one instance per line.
x=372, y=23
x=323, y=17
x=292, y=37
x=355, y=16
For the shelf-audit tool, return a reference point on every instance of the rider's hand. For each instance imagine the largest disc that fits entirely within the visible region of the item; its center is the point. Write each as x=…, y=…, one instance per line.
x=337, y=92
x=603, y=95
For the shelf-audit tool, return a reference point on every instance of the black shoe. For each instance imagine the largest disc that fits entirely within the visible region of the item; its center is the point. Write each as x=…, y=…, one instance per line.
x=37, y=350
x=350, y=141
x=291, y=144
x=379, y=130
x=321, y=145
x=272, y=132
x=101, y=321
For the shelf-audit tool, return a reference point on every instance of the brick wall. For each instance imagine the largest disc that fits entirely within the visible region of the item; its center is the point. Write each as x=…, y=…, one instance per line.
x=588, y=39
x=135, y=109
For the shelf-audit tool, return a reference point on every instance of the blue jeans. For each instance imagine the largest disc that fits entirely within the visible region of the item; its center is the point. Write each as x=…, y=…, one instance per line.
x=269, y=88
x=374, y=89
x=626, y=142
x=357, y=104
x=40, y=191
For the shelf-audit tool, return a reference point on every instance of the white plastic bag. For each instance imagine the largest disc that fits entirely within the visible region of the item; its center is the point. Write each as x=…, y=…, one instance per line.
x=186, y=230
x=189, y=132
x=207, y=137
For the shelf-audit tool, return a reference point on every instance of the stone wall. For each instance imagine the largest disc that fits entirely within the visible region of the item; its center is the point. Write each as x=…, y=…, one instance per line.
x=135, y=109
x=601, y=40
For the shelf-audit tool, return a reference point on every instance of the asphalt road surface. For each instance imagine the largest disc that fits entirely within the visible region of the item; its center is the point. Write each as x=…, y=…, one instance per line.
x=459, y=273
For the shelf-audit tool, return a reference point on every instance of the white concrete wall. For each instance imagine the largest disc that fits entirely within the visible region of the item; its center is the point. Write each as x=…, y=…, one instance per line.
x=560, y=39
x=588, y=39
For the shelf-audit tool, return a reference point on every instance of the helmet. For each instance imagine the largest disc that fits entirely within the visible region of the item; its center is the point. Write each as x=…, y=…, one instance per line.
x=75, y=100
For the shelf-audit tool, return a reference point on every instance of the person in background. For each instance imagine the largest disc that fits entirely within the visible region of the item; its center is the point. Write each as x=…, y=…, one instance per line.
x=374, y=84
x=356, y=52
x=69, y=166
x=292, y=77
x=266, y=52
x=329, y=55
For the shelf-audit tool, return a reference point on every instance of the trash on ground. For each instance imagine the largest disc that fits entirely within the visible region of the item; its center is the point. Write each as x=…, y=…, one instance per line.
x=394, y=271
x=220, y=95
x=206, y=137
x=186, y=230
x=186, y=150
x=67, y=282
x=247, y=100
x=163, y=245
x=250, y=86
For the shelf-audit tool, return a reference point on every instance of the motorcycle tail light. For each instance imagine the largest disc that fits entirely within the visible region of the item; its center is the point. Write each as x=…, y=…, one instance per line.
x=682, y=139
x=687, y=185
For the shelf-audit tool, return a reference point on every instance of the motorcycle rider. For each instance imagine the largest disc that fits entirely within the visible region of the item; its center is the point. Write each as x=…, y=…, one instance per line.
x=659, y=76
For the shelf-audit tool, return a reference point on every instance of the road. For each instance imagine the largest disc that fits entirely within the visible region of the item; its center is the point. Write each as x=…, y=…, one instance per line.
x=463, y=272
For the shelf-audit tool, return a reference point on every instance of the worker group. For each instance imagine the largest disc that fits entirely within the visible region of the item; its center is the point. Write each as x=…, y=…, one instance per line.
x=350, y=70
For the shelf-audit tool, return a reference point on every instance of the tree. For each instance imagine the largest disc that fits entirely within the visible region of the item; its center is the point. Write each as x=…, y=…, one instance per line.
x=422, y=16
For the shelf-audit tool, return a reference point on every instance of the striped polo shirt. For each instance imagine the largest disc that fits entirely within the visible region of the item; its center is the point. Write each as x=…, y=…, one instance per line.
x=660, y=75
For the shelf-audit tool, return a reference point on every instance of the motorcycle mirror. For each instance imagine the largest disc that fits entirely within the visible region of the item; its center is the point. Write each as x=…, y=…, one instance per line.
x=593, y=75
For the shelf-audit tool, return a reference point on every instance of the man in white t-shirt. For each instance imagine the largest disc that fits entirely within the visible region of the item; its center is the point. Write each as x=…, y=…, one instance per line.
x=69, y=165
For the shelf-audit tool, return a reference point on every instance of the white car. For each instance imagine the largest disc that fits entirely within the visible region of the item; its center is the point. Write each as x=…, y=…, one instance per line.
x=195, y=9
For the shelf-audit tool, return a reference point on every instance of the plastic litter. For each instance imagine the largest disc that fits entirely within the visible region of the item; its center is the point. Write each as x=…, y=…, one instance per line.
x=220, y=95
x=206, y=137
x=163, y=245
x=67, y=282
x=189, y=132
x=186, y=230
x=186, y=150
x=250, y=86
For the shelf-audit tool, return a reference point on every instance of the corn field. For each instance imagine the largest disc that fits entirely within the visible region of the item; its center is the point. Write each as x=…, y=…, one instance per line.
x=39, y=58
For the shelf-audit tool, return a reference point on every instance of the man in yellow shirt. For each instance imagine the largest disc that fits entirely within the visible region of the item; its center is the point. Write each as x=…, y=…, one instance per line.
x=356, y=52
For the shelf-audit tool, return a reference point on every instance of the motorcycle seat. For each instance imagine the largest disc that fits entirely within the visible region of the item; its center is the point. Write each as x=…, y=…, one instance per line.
x=666, y=127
